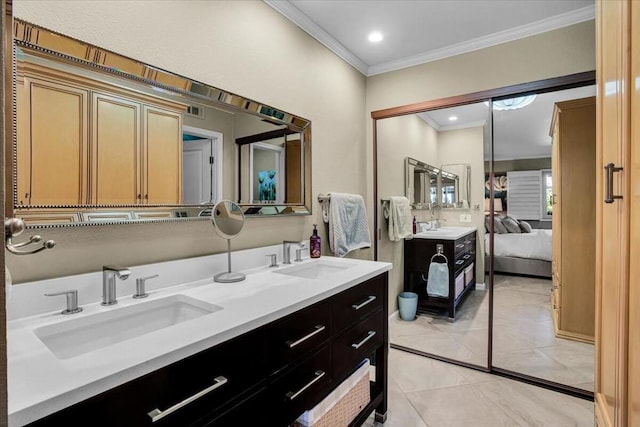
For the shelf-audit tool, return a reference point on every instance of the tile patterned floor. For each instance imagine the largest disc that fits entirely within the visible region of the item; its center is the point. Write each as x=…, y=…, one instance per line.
x=427, y=393
x=524, y=339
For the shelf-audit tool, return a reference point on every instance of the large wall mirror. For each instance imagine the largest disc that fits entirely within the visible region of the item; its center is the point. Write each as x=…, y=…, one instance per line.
x=101, y=138
x=531, y=312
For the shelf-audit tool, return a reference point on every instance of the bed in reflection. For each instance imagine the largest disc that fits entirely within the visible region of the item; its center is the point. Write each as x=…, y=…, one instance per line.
x=522, y=253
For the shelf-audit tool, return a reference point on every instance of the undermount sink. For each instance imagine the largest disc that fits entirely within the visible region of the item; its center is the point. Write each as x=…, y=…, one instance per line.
x=85, y=334
x=316, y=269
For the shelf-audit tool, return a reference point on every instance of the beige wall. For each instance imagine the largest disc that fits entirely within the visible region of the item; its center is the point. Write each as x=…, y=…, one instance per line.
x=400, y=137
x=553, y=54
x=244, y=47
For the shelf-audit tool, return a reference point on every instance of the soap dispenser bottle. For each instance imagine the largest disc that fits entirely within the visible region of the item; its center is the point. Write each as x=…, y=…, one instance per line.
x=314, y=242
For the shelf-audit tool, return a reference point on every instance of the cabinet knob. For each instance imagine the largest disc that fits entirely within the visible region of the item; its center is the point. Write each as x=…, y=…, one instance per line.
x=139, y=196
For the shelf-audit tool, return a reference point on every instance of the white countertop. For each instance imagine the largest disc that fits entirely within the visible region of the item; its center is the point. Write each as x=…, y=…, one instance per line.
x=445, y=233
x=40, y=384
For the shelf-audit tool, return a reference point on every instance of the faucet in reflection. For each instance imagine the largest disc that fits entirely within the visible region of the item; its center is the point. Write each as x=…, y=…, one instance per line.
x=435, y=216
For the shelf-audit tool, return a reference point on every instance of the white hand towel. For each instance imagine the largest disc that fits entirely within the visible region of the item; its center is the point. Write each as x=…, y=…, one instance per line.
x=348, y=225
x=400, y=221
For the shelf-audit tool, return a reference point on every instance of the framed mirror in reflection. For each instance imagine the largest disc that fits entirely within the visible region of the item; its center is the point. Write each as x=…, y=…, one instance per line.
x=447, y=186
x=110, y=139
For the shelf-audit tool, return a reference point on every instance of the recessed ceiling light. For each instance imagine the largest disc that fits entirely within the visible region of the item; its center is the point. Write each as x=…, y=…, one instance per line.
x=375, y=37
x=453, y=118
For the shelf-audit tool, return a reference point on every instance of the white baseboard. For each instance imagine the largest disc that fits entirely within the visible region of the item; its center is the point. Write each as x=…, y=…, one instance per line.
x=394, y=315
x=481, y=286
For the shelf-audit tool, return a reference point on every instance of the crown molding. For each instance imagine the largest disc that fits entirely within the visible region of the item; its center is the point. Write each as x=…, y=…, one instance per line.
x=429, y=120
x=292, y=13
x=288, y=10
x=534, y=28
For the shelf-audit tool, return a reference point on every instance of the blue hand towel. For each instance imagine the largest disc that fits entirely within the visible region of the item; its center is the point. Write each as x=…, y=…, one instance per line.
x=348, y=225
x=438, y=280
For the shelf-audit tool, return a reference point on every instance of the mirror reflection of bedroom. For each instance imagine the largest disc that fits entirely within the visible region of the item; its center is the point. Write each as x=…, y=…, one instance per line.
x=535, y=218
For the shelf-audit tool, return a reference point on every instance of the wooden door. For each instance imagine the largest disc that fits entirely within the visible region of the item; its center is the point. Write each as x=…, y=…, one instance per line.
x=57, y=141
x=634, y=253
x=612, y=219
x=115, y=178
x=556, y=224
x=23, y=149
x=577, y=213
x=162, y=156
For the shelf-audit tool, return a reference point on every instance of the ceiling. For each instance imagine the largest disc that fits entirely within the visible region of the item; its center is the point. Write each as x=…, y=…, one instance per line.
x=416, y=32
x=420, y=31
x=517, y=134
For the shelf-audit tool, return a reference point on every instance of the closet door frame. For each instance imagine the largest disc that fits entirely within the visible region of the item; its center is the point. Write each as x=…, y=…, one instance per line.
x=535, y=87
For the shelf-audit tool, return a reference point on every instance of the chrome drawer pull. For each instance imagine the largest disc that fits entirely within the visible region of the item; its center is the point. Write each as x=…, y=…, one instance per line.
x=370, y=335
x=460, y=261
x=319, y=374
x=460, y=245
x=359, y=306
x=157, y=414
x=467, y=256
x=318, y=329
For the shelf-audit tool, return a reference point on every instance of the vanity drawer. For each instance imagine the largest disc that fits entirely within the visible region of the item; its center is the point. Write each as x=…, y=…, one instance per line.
x=300, y=389
x=293, y=337
x=212, y=378
x=356, y=343
x=358, y=302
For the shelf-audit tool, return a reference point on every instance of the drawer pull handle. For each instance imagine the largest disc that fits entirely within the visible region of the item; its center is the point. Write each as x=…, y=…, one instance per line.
x=317, y=330
x=359, y=306
x=370, y=335
x=157, y=414
x=467, y=256
x=460, y=261
x=460, y=245
x=318, y=374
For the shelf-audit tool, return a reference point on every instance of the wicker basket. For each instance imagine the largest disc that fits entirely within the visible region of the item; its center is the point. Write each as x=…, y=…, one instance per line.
x=347, y=407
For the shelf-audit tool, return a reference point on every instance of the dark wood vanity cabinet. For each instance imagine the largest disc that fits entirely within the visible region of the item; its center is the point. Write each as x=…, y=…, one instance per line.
x=461, y=260
x=268, y=376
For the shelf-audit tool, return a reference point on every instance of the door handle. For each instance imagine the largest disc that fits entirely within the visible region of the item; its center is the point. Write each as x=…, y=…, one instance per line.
x=610, y=168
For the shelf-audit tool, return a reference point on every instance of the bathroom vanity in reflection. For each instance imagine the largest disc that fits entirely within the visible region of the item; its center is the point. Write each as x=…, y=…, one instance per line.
x=459, y=248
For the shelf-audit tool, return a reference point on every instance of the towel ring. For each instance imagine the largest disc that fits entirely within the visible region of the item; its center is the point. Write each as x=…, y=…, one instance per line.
x=442, y=255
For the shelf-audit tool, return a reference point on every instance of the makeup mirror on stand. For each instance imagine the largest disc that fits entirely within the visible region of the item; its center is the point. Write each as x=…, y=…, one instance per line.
x=228, y=220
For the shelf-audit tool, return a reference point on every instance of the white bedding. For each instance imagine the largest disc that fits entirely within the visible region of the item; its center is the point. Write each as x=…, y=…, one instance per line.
x=534, y=245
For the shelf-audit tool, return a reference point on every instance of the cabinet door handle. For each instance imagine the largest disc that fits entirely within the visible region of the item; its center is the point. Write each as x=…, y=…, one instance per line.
x=609, y=197
x=368, y=300
x=467, y=256
x=317, y=330
x=318, y=374
x=370, y=335
x=460, y=245
x=460, y=261
x=157, y=414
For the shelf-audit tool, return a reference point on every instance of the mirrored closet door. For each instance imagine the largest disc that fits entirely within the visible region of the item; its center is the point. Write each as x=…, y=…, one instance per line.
x=544, y=241
x=436, y=159
x=502, y=188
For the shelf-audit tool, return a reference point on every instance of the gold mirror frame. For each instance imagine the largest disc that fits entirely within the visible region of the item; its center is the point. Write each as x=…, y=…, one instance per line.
x=58, y=45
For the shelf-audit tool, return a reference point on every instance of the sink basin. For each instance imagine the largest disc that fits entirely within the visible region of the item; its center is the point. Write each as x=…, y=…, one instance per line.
x=316, y=269
x=84, y=334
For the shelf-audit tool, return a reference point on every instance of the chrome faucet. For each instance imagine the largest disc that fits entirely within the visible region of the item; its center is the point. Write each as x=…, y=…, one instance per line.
x=109, y=274
x=286, y=255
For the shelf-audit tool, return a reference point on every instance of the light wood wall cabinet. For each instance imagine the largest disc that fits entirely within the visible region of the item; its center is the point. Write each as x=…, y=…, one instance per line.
x=617, y=385
x=573, y=131
x=82, y=141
